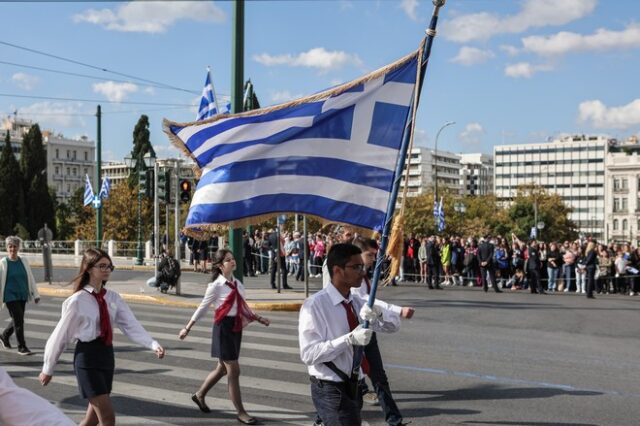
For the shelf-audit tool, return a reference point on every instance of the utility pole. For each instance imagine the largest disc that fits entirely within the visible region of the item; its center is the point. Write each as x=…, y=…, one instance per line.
x=176, y=241
x=98, y=177
x=237, y=82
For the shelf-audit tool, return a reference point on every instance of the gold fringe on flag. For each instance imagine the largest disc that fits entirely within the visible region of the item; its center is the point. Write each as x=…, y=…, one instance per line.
x=396, y=239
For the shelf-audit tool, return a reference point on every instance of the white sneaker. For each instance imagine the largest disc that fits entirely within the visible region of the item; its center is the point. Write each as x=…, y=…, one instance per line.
x=631, y=293
x=566, y=290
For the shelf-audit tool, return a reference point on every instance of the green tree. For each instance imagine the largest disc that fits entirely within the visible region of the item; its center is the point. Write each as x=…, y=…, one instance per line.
x=551, y=210
x=11, y=193
x=141, y=146
x=38, y=202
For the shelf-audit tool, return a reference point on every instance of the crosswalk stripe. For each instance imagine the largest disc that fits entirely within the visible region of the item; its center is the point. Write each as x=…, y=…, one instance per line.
x=173, y=337
x=202, y=326
x=278, y=414
x=197, y=355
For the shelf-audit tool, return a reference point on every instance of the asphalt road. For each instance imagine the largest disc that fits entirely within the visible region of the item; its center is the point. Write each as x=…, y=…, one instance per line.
x=465, y=358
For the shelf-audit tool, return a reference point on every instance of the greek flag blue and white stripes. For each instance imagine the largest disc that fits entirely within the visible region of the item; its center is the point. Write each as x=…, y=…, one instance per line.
x=441, y=223
x=88, y=192
x=332, y=155
x=208, y=104
x=105, y=189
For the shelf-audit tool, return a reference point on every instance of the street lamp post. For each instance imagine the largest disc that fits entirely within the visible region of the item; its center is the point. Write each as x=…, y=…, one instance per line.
x=435, y=158
x=140, y=164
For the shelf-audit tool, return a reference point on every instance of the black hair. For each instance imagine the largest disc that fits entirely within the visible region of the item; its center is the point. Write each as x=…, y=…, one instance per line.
x=217, y=261
x=364, y=243
x=340, y=254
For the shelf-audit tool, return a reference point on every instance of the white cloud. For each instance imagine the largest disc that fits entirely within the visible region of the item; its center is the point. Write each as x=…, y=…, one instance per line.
x=25, y=81
x=524, y=69
x=472, y=55
x=167, y=151
x=115, y=92
x=410, y=8
x=509, y=50
x=151, y=17
x=472, y=133
x=598, y=115
x=317, y=57
x=150, y=90
x=567, y=42
x=55, y=114
x=284, y=96
x=534, y=13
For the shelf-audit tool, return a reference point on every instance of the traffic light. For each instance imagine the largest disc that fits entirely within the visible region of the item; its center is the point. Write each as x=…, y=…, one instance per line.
x=142, y=182
x=185, y=190
x=164, y=186
x=149, y=188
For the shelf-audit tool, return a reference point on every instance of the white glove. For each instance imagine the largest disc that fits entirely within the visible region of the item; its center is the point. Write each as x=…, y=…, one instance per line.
x=371, y=314
x=360, y=336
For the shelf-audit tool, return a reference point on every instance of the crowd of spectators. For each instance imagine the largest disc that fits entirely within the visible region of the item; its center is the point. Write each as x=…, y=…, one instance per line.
x=582, y=266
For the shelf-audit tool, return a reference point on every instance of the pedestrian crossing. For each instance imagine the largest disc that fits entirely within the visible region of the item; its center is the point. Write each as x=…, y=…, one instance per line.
x=275, y=386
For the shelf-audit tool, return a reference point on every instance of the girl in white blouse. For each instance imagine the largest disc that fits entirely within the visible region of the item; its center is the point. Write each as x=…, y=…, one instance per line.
x=87, y=318
x=232, y=314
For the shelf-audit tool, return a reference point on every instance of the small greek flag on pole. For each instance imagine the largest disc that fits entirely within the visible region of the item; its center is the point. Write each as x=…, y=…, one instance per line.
x=441, y=223
x=105, y=189
x=88, y=192
x=208, y=103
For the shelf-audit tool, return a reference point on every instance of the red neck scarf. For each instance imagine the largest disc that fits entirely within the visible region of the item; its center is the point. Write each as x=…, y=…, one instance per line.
x=106, y=332
x=244, y=315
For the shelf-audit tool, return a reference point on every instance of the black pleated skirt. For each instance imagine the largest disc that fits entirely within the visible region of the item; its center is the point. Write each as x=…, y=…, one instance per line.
x=225, y=343
x=93, y=364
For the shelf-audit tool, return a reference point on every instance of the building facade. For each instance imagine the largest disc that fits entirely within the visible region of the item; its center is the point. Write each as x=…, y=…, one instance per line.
x=424, y=165
x=68, y=160
x=572, y=167
x=622, y=203
x=476, y=174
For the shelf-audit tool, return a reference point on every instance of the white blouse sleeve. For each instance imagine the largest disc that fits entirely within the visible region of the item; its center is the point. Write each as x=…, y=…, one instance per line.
x=210, y=296
x=63, y=333
x=131, y=327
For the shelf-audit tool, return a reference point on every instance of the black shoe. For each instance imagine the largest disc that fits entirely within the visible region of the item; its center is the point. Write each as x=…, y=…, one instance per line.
x=288, y=287
x=430, y=287
x=4, y=341
x=438, y=287
x=590, y=296
x=24, y=351
x=485, y=289
x=200, y=403
x=497, y=290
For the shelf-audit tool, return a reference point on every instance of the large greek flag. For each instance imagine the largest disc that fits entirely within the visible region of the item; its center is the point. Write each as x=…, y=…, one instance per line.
x=88, y=191
x=332, y=155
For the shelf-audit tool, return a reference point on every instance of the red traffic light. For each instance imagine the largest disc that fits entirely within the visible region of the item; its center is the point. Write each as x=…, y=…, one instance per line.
x=185, y=190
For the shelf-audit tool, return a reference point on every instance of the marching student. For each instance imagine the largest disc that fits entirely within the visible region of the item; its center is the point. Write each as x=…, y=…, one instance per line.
x=87, y=319
x=232, y=314
x=382, y=394
x=328, y=332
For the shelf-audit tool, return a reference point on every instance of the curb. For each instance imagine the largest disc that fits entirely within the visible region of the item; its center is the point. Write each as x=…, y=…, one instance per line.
x=158, y=300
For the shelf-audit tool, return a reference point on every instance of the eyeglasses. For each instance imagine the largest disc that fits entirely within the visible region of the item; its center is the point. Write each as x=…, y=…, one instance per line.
x=359, y=267
x=105, y=267
x=228, y=259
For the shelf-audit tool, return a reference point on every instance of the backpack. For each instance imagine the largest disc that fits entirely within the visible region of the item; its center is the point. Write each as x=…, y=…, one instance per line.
x=171, y=271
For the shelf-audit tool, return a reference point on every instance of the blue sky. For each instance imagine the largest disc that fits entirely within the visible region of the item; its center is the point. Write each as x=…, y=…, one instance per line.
x=505, y=71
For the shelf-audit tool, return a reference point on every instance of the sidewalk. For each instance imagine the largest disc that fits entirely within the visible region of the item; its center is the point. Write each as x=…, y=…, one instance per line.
x=259, y=294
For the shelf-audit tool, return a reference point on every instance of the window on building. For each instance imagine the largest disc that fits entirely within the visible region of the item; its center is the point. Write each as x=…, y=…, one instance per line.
x=616, y=205
x=69, y=188
x=615, y=224
x=57, y=153
x=74, y=171
x=68, y=171
x=68, y=154
x=624, y=204
x=86, y=171
x=624, y=182
x=57, y=170
x=625, y=225
x=86, y=156
x=74, y=154
x=616, y=184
